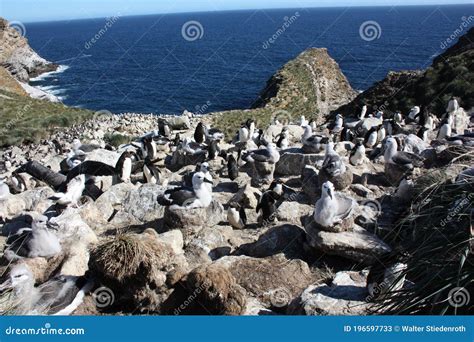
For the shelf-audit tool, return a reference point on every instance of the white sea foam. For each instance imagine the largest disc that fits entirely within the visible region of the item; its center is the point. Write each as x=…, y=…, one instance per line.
x=41, y=77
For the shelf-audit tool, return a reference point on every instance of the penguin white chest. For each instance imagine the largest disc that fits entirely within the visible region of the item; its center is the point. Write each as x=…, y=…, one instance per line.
x=233, y=217
x=126, y=170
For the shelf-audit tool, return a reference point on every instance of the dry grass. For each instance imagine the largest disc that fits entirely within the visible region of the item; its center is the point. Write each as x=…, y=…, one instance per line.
x=123, y=257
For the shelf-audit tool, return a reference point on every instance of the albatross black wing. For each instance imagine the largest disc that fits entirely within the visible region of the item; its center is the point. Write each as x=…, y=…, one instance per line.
x=91, y=168
x=177, y=196
x=243, y=216
x=261, y=155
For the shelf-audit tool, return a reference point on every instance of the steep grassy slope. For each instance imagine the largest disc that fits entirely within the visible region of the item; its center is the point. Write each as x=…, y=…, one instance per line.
x=23, y=119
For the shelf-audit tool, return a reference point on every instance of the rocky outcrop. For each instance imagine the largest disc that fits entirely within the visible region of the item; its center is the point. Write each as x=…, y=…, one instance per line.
x=311, y=83
x=18, y=57
x=346, y=295
x=431, y=88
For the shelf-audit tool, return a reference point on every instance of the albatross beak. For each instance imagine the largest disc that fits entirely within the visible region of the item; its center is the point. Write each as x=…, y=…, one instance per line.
x=53, y=225
x=6, y=285
x=208, y=181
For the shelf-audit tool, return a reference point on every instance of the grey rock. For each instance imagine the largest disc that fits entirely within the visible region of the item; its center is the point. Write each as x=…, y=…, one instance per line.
x=358, y=245
x=346, y=295
x=293, y=161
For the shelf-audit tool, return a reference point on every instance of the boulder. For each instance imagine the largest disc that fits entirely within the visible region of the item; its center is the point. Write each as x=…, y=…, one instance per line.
x=286, y=238
x=293, y=212
x=142, y=203
x=30, y=200
x=346, y=295
x=340, y=182
x=72, y=228
x=179, y=122
x=274, y=281
x=209, y=244
x=191, y=221
x=293, y=161
x=256, y=308
x=358, y=245
x=173, y=238
x=247, y=197
x=76, y=261
x=310, y=183
x=262, y=173
x=102, y=214
x=103, y=156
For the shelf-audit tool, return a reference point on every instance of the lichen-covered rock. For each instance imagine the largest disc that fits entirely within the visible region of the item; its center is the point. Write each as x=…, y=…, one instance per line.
x=274, y=281
x=346, y=295
x=30, y=200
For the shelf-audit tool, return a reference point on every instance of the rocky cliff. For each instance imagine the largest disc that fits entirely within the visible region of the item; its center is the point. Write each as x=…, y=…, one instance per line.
x=450, y=74
x=312, y=83
x=17, y=56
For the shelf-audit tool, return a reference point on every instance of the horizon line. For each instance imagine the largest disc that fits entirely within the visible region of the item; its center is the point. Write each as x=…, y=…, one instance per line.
x=243, y=10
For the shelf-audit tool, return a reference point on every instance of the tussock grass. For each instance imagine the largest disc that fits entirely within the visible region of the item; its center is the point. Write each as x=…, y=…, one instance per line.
x=436, y=234
x=124, y=257
x=23, y=119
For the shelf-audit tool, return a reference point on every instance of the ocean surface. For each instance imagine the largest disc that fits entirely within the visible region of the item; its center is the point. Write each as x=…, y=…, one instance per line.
x=217, y=61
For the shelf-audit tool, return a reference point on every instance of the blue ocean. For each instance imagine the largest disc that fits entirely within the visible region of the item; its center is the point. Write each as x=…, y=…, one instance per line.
x=214, y=61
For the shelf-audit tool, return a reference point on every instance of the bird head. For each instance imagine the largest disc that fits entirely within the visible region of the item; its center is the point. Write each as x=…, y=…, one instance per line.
x=199, y=179
x=20, y=277
x=328, y=189
x=204, y=167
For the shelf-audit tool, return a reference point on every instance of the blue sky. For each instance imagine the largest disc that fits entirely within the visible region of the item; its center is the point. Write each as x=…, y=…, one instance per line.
x=44, y=10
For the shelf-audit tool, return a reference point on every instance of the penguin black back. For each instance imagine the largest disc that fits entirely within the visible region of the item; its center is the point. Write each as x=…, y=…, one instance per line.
x=213, y=149
x=199, y=133
x=232, y=167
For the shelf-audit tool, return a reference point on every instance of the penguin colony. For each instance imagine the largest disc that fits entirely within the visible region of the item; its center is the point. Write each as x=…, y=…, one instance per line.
x=211, y=158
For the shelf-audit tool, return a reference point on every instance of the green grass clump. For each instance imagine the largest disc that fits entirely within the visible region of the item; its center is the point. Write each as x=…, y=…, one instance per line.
x=117, y=139
x=24, y=119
